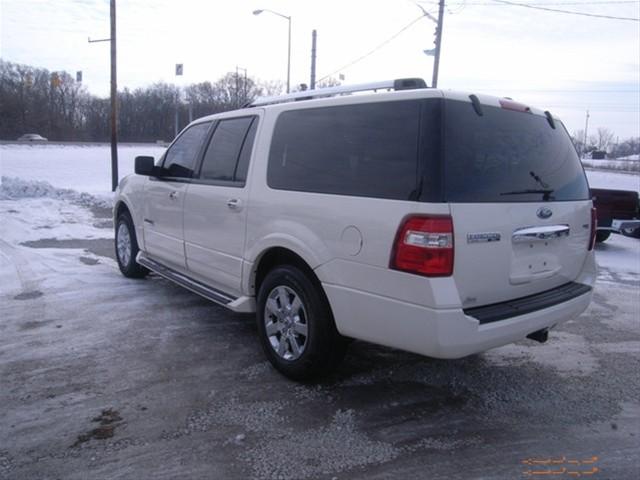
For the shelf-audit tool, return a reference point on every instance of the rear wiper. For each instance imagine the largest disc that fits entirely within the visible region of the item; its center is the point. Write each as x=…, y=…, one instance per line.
x=546, y=193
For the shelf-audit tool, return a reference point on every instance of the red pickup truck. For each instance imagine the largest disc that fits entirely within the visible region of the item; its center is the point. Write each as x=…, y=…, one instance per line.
x=618, y=211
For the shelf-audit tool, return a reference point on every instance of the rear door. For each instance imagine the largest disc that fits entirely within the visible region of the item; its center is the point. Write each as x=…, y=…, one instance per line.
x=519, y=201
x=215, y=211
x=164, y=198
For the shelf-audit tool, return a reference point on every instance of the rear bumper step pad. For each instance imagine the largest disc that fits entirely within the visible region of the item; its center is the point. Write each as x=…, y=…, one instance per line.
x=529, y=304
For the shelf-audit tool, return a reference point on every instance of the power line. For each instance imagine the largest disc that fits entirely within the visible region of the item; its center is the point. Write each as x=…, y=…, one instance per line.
x=372, y=51
x=556, y=10
x=488, y=4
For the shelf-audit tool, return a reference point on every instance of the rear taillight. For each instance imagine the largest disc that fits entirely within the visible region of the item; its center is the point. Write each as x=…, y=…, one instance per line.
x=424, y=245
x=594, y=228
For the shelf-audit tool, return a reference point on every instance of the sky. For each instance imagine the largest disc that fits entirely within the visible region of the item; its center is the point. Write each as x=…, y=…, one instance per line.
x=567, y=64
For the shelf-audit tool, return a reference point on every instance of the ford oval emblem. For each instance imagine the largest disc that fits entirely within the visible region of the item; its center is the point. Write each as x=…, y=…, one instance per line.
x=544, y=212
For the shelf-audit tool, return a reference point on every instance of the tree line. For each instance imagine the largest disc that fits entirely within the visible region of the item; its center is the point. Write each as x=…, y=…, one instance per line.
x=604, y=140
x=53, y=104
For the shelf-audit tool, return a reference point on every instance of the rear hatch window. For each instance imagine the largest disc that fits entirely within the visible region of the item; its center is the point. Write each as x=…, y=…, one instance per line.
x=508, y=156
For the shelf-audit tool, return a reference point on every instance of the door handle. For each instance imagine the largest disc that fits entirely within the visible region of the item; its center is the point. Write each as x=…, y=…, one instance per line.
x=173, y=195
x=540, y=233
x=233, y=203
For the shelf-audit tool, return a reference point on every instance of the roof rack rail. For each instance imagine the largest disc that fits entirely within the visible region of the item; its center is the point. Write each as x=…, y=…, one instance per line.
x=399, y=84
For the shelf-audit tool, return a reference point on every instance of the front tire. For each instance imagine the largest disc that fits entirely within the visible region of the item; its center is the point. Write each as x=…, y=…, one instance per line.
x=126, y=245
x=295, y=325
x=602, y=235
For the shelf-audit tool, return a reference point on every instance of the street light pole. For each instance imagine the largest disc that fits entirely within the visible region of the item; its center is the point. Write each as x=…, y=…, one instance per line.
x=288, y=18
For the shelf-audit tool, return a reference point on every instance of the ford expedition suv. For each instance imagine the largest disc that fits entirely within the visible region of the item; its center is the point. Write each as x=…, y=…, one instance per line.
x=435, y=222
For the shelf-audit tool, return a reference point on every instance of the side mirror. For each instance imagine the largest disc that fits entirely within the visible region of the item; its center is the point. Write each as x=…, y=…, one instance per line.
x=144, y=166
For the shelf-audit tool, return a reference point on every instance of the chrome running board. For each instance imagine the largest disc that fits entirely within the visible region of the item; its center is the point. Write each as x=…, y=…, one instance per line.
x=193, y=285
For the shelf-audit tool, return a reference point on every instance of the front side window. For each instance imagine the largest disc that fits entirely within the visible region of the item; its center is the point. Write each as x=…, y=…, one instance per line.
x=368, y=150
x=227, y=145
x=181, y=157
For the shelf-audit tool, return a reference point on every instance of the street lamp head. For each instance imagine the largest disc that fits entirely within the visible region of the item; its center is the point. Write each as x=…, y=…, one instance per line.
x=257, y=12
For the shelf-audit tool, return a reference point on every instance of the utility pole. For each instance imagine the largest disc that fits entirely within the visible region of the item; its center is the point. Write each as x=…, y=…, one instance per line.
x=114, y=102
x=289, y=58
x=114, y=97
x=176, y=123
x=314, y=36
x=436, y=60
x=586, y=128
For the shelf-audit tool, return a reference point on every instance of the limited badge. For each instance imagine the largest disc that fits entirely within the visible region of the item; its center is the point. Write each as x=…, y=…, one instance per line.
x=483, y=237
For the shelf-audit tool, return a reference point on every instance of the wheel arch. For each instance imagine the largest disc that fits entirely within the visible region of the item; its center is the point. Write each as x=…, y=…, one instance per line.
x=274, y=256
x=119, y=208
x=122, y=206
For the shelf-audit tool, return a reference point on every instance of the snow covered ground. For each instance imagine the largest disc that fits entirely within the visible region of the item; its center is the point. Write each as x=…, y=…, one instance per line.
x=609, y=179
x=81, y=168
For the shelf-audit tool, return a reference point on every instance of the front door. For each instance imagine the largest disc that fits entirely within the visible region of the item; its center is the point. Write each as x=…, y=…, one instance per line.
x=164, y=198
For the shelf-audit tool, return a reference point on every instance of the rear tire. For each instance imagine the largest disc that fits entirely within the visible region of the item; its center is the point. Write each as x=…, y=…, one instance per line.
x=126, y=246
x=631, y=232
x=296, y=326
x=602, y=235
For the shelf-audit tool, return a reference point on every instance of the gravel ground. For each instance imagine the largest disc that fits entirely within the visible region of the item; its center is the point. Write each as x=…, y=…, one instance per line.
x=105, y=377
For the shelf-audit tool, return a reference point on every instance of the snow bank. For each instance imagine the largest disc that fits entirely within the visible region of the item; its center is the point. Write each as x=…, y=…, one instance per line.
x=619, y=165
x=634, y=157
x=16, y=188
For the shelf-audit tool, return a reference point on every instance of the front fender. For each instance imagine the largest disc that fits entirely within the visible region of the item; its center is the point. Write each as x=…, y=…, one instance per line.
x=130, y=193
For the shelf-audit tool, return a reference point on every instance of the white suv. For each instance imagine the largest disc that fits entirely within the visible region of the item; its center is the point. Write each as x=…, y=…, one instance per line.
x=435, y=222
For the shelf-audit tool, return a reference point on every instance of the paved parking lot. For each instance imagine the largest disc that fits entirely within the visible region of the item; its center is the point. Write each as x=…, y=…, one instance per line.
x=106, y=377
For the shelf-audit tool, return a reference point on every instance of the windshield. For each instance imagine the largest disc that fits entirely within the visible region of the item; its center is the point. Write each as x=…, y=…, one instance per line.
x=508, y=156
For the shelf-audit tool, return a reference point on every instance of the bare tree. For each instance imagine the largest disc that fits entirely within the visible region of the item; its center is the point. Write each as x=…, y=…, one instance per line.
x=604, y=138
x=630, y=146
x=328, y=82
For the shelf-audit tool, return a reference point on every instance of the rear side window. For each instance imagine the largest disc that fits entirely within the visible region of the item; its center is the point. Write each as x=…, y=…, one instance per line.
x=245, y=153
x=508, y=156
x=225, y=148
x=368, y=150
